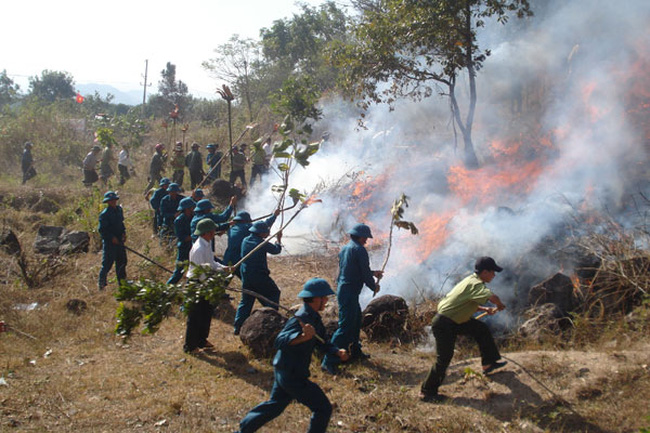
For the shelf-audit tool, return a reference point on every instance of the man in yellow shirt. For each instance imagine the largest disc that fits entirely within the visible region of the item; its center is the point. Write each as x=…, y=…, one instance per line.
x=454, y=318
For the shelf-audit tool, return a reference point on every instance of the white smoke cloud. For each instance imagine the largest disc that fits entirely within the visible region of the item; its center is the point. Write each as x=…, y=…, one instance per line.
x=555, y=84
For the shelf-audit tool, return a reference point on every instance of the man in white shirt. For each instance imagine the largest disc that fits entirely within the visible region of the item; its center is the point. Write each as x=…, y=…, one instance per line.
x=200, y=314
x=124, y=164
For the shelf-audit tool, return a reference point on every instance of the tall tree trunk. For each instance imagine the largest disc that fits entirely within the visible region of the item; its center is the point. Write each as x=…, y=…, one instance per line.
x=470, y=156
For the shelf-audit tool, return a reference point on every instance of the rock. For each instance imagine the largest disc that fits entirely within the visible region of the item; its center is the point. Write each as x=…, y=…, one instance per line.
x=76, y=306
x=384, y=318
x=56, y=240
x=543, y=319
x=45, y=205
x=9, y=242
x=259, y=331
x=75, y=242
x=48, y=239
x=557, y=290
x=222, y=190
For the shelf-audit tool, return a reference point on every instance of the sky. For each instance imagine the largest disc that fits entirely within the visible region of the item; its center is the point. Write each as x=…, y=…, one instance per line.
x=108, y=43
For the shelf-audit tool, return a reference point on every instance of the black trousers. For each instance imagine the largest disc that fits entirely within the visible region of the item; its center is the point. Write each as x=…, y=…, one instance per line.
x=445, y=332
x=198, y=325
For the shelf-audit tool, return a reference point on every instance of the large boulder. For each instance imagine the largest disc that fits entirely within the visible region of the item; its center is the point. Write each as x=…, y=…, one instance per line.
x=259, y=331
x=9, y=242
x=385, y=318
x=48, y=239
x=57, y=240
x=557, y=290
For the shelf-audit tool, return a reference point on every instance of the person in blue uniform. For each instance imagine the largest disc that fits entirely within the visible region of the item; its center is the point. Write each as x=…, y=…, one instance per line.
x=183, y=237
x=155, y=200
x=354, y=273
x=113, y=234
x=241, y=223
x=168, y=211
x=214, y=161
x=295, y=344
x=202, y=210
x=255, y=273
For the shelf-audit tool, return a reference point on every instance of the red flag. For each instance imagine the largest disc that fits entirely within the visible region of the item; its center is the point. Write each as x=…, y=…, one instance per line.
x=80, y=99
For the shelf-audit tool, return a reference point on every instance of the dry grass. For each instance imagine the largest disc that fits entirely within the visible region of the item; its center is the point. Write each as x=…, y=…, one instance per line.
x=76, y=375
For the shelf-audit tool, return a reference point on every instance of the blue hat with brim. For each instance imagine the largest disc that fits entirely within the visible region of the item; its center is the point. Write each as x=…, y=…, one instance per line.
x=109, y=196
x=174, y=187
x=186, y=203
x=164, y=181
x=242, y=216
x=316, y=287
x=259, y=227
x=360, y=230
x=211, y=146
x=199, y=193
x=204, y=205
x=204, y=226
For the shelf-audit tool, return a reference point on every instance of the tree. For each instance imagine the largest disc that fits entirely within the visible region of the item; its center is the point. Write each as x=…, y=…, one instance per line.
x=402, y=47
x=52, y=86
x=8, y=89
x=172, y=93
x=236, y=63
x=297, y=45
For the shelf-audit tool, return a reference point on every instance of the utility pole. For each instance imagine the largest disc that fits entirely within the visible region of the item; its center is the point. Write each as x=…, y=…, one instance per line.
x=144, y=94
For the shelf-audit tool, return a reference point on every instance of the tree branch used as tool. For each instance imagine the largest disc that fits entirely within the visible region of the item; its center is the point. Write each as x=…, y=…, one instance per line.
x=147, y=258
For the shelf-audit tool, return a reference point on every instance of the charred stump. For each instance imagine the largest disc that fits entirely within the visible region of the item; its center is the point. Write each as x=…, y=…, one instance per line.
x=543, y=320
x=9, y=243
x=222, y=190
x=384, y=318
x=259, y=331
x=557, y=290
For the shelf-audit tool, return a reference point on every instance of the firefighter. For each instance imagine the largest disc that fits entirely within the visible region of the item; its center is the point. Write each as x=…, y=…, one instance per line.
x=454, y=317
x=295, y=344
x=113, y=234
x=27, y=162
x=354, y=272
x=255, y=273
x=156, y=166
x=168, y=210
x=183, y=236
x=155, y=200
x=178, y=164
x=202, y=210
x=194, y=163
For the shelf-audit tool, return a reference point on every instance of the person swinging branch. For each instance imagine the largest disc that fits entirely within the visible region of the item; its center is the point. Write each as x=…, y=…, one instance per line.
x=454, y=318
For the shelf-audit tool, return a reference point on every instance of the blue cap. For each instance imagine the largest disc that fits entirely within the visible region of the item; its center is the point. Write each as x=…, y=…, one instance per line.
x=110, y=195
x=174, y=187
x=243, y=216
x=259, y=227
x=199, y=193
x=360, y=230
x=316, y=287
x=211, y=146
x=186, y=203
x=204, y=205
x=164, y=181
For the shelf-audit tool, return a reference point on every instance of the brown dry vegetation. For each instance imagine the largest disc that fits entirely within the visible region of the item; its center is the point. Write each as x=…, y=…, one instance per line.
x=69, y=372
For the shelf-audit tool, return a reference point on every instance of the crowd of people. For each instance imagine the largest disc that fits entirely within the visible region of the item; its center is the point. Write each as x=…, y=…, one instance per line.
x=192, y=222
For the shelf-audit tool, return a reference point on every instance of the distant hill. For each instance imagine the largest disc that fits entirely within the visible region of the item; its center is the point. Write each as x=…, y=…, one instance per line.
x=132, y=97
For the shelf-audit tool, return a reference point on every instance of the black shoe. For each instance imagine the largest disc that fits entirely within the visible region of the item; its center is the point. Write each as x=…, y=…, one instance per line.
x=432, y=397
x=494, y=366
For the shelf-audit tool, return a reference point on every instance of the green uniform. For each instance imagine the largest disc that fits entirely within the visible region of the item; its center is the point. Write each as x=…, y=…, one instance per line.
x=462, y=302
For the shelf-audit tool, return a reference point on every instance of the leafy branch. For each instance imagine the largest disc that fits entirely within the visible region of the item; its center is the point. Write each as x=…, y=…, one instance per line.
x=397, y=213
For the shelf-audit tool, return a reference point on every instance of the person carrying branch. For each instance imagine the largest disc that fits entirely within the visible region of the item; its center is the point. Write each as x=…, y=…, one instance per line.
x=183, y=237
x=199, y=315
x=255, y=273
x=454, y=317
x=113, y=234
x=203, y=210
x=354, y=272
x=295, y=344
x=241, y=223
x=156, y=199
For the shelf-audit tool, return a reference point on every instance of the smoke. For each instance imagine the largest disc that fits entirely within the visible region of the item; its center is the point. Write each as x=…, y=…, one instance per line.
x=553, y=133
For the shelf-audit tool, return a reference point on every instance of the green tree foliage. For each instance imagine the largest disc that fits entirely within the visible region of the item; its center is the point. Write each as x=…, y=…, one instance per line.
x=237, y=62
x=171, y=93
x=8, y=89
x=406, y=48
x=52, y=86
x=297, y=45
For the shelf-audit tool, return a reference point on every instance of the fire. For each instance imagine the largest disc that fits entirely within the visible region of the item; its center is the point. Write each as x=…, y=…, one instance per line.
x=433, y=234
x=489, y=183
